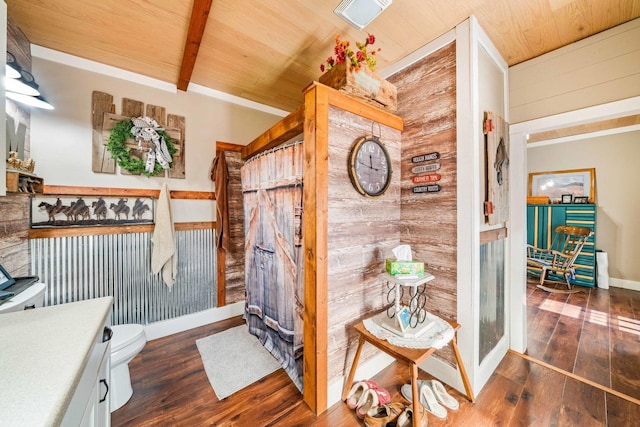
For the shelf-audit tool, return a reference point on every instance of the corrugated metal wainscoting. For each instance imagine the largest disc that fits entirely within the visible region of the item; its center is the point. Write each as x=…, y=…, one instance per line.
x=83, y=267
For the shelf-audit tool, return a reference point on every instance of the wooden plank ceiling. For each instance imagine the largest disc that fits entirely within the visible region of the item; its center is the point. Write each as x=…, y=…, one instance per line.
x=269, y=51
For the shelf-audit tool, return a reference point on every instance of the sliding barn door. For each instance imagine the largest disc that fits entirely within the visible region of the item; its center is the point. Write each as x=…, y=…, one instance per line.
x=272, y=192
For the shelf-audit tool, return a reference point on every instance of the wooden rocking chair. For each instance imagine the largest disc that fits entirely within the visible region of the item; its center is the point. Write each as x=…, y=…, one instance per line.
x=556, y=261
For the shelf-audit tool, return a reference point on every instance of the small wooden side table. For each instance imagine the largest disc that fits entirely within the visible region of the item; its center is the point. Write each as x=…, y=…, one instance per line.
x=412, y=356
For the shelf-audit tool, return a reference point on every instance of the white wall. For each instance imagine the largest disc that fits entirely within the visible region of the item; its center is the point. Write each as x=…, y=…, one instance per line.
x=615, y=158
x=586, y=81
x=597, y=70
x=61, y=139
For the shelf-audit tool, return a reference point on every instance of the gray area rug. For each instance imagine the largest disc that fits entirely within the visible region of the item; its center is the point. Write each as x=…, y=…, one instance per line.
x=233, y=359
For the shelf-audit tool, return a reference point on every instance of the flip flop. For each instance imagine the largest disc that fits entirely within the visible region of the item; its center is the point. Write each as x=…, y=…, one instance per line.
x=427, y=398
x=442, y=396
x=430, y=403
x=357, y=392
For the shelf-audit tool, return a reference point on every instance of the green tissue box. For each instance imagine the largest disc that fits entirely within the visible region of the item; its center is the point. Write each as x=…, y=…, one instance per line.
x=404, y=267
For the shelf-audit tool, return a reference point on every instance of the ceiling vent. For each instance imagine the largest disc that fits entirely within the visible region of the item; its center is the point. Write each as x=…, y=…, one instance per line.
x=360, y=13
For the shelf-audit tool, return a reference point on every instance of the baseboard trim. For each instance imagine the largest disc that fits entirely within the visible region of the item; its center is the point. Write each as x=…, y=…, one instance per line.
x=625, y=284
x=184, y=323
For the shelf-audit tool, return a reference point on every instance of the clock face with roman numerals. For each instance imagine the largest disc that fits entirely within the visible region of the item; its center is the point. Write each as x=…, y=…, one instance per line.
x=370, y=167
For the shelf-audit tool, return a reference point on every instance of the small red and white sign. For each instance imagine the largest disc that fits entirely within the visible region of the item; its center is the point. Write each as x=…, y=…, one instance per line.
x=432, y=177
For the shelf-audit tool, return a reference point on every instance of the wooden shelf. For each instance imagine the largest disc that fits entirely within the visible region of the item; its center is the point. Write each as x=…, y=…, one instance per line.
x=23, y=182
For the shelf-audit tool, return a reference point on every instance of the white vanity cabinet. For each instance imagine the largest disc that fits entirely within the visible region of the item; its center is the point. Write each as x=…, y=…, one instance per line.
x=54, y=365
x=32, y=297
x=89, y=406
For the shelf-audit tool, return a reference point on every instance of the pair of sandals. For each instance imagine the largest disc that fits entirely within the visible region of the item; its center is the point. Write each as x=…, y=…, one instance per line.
x=366, y=396
x=433, y=397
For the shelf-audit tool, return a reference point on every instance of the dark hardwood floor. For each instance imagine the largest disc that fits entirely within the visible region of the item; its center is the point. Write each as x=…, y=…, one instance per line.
x=593, y=334
x=566, y=332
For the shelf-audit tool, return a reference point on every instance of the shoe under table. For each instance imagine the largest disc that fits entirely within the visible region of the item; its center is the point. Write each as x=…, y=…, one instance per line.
x=412, y=356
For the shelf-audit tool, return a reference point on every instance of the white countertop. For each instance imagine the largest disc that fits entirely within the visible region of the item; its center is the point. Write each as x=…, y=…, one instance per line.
x=43, y=353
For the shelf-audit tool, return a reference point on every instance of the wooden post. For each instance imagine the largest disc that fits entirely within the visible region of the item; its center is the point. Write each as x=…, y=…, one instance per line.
x=316, y=155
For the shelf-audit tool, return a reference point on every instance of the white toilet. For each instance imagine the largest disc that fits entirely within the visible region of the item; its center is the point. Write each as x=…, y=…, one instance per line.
x=127, y=341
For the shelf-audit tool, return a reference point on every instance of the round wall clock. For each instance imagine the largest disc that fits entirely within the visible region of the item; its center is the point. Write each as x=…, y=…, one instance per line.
x=370, y=167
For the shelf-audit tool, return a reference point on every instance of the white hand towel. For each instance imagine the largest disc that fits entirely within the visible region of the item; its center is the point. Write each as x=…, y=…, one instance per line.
x=164, y=256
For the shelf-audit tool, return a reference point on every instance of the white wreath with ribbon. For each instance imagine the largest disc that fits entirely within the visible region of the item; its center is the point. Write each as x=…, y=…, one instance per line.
x=145, y=131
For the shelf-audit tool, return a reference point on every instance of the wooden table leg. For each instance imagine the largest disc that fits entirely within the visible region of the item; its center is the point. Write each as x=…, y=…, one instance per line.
x=463, y=372
x=414, y=394
x=347, y=386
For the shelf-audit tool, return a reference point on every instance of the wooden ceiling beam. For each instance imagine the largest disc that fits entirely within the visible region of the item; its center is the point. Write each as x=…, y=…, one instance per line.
x=197, y=24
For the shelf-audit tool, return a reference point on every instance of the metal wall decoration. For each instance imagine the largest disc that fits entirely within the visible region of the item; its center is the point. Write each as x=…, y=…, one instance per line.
x=426, y=168
x=426, y=157
x=79, y=211
x=431, y=188
x=430, y=178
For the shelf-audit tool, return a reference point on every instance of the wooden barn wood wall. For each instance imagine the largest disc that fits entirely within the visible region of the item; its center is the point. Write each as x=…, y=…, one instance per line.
x=427, y=103
x=362, y=232
x=14, y=208
x=20, y=46
x=234, y=258
x=14, y=244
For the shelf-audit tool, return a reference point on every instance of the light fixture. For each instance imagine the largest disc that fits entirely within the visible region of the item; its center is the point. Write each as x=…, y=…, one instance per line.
x=12, y=69
x=33, y=101
x=21, y=86
x=25, y=85
x=360, y=13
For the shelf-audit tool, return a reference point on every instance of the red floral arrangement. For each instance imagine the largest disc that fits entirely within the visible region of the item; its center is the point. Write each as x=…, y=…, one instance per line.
x=345, y=54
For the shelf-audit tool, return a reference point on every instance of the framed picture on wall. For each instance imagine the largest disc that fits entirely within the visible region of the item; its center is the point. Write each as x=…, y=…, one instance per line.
x=560, y=184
